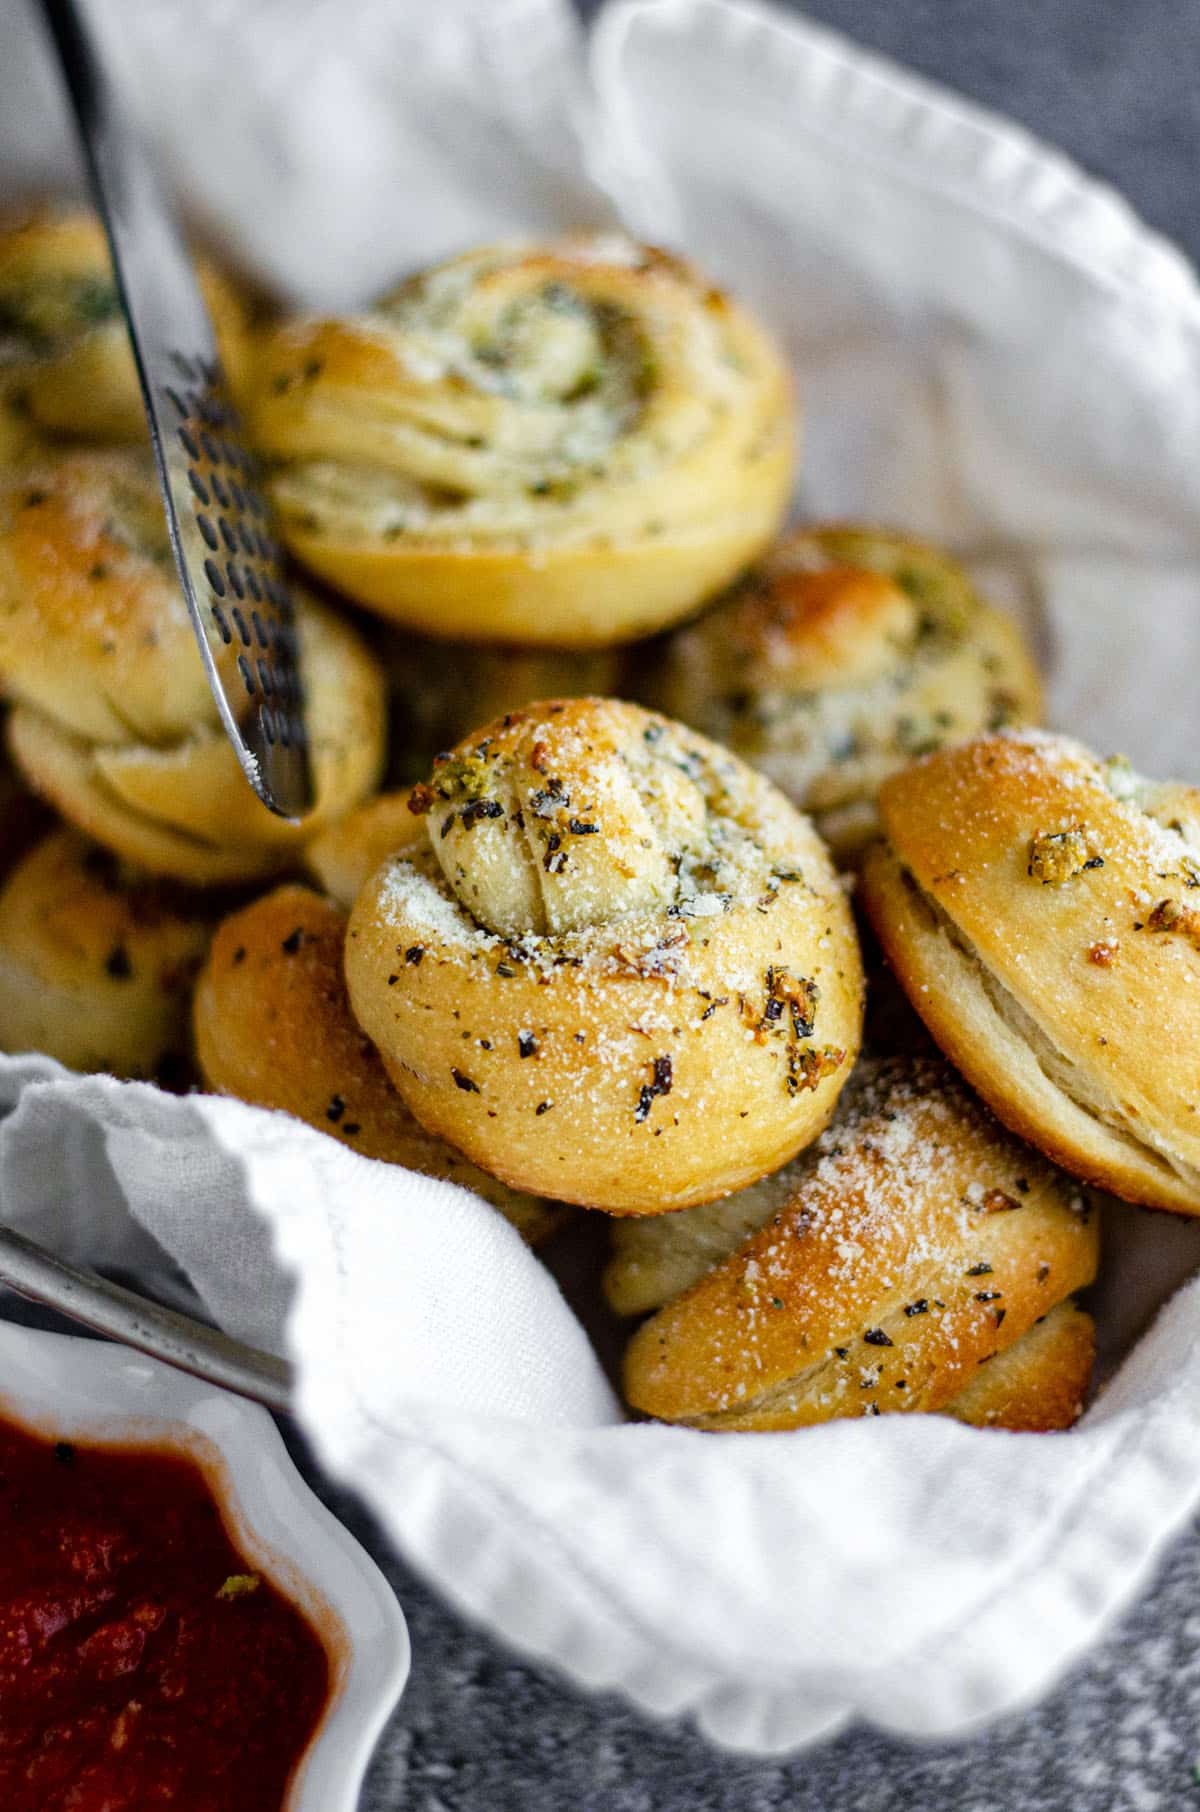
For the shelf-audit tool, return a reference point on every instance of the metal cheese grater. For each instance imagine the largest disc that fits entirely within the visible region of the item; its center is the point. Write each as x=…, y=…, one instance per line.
x=230, y=564
x=231, y=573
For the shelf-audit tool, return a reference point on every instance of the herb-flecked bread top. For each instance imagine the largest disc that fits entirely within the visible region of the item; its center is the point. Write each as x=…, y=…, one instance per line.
x=1042, y=909
x=611, y=963
x=571, y=443
x=845, y=653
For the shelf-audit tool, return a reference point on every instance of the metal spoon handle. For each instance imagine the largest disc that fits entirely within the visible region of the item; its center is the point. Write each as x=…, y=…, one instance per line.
x=83, y=1296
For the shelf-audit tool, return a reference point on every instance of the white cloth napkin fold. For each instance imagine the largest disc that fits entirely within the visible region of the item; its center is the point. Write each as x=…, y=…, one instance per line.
x=991, y=349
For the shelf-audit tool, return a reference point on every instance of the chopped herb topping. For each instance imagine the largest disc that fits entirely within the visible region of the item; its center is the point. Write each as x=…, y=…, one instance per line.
x=1058, y=856
x=650, y=1091
x=117, y=963
x=239, y=1585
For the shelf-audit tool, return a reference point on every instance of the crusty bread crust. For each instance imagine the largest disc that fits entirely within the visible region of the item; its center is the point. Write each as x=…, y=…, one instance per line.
x=1042, y=927
x=922, y=1242
x=1040, y=1383
x=618, y=968
x=273, y=1027
x=569, y=444
x=844, y=652
x=97, y=963
x=113, y=720
x=76, y=372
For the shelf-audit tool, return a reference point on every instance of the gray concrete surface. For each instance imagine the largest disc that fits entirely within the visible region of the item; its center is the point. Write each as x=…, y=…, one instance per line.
x=1117, y=84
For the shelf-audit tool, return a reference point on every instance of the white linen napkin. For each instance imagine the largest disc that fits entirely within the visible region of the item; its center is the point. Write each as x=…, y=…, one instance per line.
x=990, y=349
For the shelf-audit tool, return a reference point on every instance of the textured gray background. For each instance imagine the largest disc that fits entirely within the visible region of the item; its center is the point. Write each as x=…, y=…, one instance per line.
x=1117, y=84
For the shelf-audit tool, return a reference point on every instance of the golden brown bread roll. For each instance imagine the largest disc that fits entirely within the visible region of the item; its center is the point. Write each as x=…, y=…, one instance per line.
x=1042, y=910
x=920, y=1242
x=570, y=443
x=63, y=338
x=615, y=967
x=1039, y=1383
x=273, y=1027
x=113, y=720
x=847, y=651
x=97, y=962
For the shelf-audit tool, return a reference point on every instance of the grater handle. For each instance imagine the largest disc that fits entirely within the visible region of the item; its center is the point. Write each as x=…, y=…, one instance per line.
x=196, y=438
x=91, y=1300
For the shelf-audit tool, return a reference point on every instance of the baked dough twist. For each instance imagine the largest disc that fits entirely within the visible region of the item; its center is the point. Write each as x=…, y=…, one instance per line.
x=113, y=720
x=846, y=652
x=917, y=1243
x=1042, y=910
x=97, y=962
x=64, y=347
x=615, y=967
x=273, y=1027
x=569, y=443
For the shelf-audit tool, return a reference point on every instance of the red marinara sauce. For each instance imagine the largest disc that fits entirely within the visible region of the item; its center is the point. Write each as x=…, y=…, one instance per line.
x=143, y=1663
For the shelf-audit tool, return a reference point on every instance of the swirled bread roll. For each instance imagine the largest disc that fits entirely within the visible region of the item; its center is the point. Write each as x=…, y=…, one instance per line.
x=570, y=443
x=113, y=721
x=920, y=1242
x=63, y=339
x=273, y=1027
x=1042, y=910
x=846, y=652
x=615, y=967
x=97, y=962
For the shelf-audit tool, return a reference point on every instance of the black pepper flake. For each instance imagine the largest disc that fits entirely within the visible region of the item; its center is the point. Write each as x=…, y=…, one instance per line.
x=919, y=1307
x=526, y=1044
x=64, y=1453
x=1023, y=1185
x=505, y=971
x=872, y=1409
x=721, y=1001
x=579, y=828
x=117, y=963
x=293, y=941
x=988, y=1295
x=1043, y=1272
x=480, y=808
x=447, y=825
x=900, y=1384
x=843, y=1352
x=239, y=955
x=650, y=1091
x=777, y=1302
x=543, y=1107
x=464, y=1082
x=392, y=980
x=877, y=1337
x=351, y=1128
x=336, y=1109
x=1000, y=1314
x=980, y=1270
x=414, y=954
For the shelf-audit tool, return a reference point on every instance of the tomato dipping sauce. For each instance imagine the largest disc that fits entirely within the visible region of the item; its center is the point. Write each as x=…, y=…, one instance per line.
x=143, y=1662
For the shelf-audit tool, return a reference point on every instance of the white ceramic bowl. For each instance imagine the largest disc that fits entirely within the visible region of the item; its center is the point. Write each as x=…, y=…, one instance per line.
x=90, y=1392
